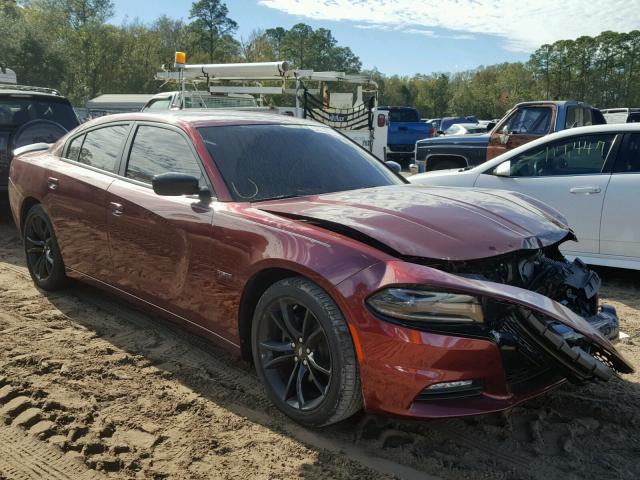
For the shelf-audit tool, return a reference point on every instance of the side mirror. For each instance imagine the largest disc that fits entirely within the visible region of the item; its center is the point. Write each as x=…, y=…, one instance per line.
x=503, y=170
x=504, y=135
x=440, y=132
x=395, y=166
x=175, y=184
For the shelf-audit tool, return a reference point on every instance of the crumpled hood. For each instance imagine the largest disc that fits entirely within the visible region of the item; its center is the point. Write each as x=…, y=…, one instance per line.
x=435, y=222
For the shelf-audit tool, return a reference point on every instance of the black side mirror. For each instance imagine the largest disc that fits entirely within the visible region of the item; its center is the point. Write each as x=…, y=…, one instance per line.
x=440, y=132
x=395, y=166
x=175, y=184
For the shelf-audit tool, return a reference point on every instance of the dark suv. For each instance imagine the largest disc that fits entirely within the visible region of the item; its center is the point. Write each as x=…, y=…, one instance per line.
x=30, y=115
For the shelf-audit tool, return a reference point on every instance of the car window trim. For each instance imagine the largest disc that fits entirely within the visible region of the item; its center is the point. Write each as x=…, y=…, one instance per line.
x=122, y=171
x=84, y=133
x=607, y=166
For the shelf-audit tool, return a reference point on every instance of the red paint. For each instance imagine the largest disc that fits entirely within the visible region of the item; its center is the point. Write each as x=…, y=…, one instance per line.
x=191, y=261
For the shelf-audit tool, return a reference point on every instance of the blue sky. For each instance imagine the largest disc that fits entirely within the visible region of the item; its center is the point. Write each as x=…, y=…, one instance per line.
x=413, y=36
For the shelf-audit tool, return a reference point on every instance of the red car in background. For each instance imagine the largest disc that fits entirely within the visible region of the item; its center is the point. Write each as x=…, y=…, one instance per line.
x=289, y=244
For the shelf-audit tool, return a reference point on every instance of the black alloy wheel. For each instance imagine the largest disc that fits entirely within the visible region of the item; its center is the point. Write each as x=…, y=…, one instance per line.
x=295, y=354
x=43, y=256
x=304, y=353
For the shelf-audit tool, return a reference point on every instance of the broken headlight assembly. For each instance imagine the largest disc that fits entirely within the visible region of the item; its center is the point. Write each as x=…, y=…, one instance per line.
x=417, y=306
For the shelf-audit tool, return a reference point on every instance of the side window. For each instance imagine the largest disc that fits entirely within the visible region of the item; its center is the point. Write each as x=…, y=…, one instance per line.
x=159, y=150
x=628, y=160
x=633, y=118
x=530, y=121
x=73, y=151
x=102, y=147
x=573, y=156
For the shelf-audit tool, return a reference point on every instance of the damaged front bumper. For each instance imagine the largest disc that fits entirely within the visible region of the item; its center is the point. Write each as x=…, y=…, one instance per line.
x=528, y=345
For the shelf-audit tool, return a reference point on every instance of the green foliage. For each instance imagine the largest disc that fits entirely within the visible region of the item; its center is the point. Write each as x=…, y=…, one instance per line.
x=67, y=44
x=211, y=26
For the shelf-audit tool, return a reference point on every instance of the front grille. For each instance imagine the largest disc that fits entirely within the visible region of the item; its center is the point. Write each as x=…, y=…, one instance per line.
x=522, y=360
x=402, y=148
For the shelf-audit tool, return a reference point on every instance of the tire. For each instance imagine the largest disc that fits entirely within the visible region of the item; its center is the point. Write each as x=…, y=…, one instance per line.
x=297, y=307
x=42, y=253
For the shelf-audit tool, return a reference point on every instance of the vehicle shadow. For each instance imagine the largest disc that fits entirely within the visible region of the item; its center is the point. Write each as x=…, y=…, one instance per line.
x=578, y=432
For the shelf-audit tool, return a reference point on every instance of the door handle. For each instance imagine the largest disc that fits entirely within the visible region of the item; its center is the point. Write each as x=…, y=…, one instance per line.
x=52, y=183
x=116, y=208
x=587, y=190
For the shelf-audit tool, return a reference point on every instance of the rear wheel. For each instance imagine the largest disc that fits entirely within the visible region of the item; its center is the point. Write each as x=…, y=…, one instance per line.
x=304, y=355
x=41, y=248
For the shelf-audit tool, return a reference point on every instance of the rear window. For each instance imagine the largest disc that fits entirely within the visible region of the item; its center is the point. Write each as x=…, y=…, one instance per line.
x=261, y=162
x=16, y=110
x=157, y=105
x=102, y=147
x=403, y=115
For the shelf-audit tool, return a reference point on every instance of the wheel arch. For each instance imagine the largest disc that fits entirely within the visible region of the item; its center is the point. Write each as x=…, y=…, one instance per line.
x=27, y=204
x=434, y=159
x=259, y=282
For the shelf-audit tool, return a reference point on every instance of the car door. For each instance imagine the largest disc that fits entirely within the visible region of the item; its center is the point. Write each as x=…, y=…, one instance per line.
x=161, y=246
x=620, y=226
x=571, y=175
x=77, y=189
x=522, y=126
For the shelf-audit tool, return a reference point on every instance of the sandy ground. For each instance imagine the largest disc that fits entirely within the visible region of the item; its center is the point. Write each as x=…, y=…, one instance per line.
x=91, y=388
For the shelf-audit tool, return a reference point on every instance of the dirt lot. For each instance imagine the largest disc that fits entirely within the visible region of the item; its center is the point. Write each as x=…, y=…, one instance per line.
x=91, y=388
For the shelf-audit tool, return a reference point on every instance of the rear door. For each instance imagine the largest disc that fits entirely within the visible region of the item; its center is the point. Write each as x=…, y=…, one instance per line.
x=571, y=175
x=77, y=187
x=523, y=125
x=162, y=246
x=620, y=228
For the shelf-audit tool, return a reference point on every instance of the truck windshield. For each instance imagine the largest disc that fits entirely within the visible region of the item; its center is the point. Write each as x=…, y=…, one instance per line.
x=263, y=162
x=16, y=110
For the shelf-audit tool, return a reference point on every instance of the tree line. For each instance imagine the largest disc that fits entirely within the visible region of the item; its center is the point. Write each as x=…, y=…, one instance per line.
x=69, y=45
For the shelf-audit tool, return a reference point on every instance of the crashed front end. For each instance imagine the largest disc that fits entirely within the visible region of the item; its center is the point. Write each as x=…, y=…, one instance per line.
x=453, y=338
x=471, y=308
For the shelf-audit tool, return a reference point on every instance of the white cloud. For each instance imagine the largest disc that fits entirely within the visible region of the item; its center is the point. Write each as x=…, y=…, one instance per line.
x=525, y=25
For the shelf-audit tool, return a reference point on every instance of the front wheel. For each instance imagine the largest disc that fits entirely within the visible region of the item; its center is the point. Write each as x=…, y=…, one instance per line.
x=41, y=248
x=304, y=355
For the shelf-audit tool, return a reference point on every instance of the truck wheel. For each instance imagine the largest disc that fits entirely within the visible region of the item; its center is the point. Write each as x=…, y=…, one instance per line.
x=304, y=355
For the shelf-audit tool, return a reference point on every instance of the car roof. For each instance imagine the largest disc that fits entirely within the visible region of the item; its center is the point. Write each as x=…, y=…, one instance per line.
x=554, y=102
x=204, y=118
x=571, y=132
x=467, y=125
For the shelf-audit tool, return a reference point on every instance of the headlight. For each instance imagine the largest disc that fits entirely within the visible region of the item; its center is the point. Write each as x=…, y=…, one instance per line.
x=426, y=306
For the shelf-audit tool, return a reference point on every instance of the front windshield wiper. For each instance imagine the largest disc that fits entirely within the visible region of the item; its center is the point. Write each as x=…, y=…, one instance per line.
x=279, y=197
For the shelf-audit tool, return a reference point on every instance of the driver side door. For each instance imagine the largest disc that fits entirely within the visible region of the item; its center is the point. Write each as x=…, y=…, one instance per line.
x=522, y=126
x=571, y=175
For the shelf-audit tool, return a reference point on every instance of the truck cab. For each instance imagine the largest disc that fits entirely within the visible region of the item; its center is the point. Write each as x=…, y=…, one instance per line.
x=405, y=128
x=525, y=122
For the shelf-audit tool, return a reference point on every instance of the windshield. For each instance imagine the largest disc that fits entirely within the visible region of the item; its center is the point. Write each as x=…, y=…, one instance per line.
x=16, y=110
x=262, y=162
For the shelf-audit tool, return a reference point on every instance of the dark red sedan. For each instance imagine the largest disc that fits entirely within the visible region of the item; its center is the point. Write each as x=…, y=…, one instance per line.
x=289, y=244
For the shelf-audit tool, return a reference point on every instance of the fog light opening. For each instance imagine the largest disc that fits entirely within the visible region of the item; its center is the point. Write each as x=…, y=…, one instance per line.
x=451, y=390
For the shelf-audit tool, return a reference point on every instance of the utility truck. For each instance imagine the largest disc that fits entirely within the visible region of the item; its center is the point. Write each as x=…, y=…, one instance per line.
x=348, y=103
